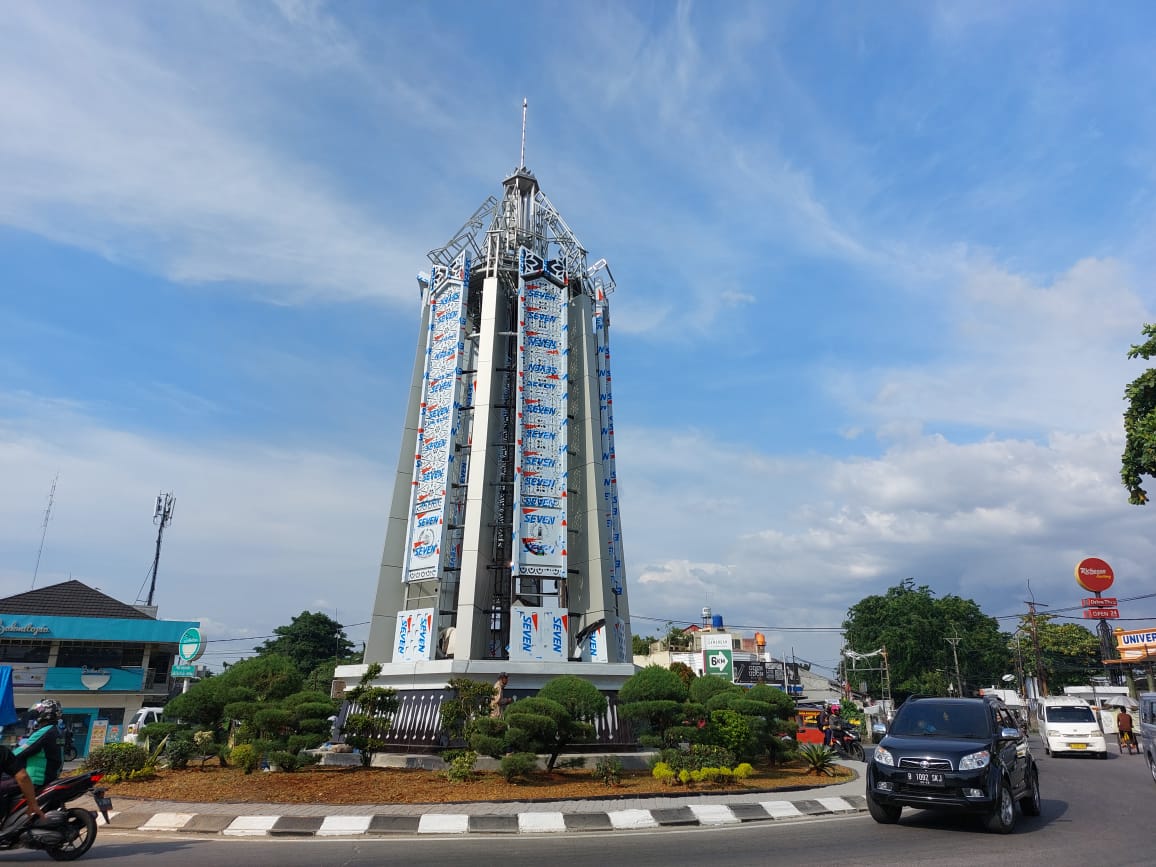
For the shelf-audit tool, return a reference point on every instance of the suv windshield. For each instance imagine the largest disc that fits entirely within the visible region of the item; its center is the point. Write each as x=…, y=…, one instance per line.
x=1070, y=714
x=941, y=720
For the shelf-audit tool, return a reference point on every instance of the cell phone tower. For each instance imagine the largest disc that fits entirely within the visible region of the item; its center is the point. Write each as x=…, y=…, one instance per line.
x=162, y=517
x=503, y=550
x=44, y=528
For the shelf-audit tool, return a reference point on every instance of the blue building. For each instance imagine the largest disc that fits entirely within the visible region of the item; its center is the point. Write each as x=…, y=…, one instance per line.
x=100, y=658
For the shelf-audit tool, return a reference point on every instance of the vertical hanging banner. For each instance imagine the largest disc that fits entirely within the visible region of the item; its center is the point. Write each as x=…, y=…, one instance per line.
x=540, y=471
x=609, y=493
x=435, y=462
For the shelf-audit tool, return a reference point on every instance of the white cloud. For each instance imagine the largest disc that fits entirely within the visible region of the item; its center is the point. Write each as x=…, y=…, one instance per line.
x=120, y=154
x=257, y=530
x=1017, y=355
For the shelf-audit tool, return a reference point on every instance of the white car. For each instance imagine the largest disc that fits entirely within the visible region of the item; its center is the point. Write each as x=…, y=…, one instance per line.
x=1068, y=725
x=143, y=717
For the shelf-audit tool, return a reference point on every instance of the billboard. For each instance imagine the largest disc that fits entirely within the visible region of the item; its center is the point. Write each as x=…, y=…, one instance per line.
x=444, y=392
x=413, y=638
x=540, y=471
x=1136, y=644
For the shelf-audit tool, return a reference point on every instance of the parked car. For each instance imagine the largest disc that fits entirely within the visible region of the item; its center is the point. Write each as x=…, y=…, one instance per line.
x=1068, y=725
x=957, y=755
x=143, y=717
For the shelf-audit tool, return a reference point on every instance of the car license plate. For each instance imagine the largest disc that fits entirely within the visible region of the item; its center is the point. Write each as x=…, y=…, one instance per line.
x=924, y=778
x=1078, y=746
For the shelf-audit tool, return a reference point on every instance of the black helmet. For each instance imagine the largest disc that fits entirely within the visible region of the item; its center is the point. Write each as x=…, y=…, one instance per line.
x=48, y=711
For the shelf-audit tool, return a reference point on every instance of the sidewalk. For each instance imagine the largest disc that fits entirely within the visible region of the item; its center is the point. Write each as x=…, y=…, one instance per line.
x=627, y=814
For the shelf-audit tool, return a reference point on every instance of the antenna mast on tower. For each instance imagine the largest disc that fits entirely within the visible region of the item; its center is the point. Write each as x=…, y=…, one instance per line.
x=44, y=529
x=162, y=517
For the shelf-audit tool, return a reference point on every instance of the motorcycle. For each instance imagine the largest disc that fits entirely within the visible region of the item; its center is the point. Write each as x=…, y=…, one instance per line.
x=67, y=832
x=68, y=747
x=847, y=740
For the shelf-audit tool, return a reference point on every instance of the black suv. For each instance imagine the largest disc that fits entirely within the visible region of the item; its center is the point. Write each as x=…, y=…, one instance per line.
x=964, y=754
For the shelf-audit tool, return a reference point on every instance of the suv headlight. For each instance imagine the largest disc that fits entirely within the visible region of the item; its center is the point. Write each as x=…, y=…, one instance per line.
x=975, y=761
x=884, y=757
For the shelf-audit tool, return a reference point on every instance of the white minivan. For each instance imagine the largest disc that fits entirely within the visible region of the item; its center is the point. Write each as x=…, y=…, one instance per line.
x=143, y=717
x=1068, y=725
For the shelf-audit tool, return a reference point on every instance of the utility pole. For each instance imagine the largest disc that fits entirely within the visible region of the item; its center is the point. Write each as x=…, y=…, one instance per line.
x=1041, y=682
x=162, y=517
x=954, y=642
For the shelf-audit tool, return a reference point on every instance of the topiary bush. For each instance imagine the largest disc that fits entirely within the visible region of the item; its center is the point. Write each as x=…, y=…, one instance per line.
x=518, y=766
x=117, y=760
x=653, y=697
x=178, y=751
x=697, y=757
x=284, y=760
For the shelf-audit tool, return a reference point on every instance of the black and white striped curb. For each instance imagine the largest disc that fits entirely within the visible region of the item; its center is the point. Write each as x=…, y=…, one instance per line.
x=543, y=822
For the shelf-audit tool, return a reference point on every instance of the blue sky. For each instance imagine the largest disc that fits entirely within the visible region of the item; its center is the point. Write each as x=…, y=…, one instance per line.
x=878, y=271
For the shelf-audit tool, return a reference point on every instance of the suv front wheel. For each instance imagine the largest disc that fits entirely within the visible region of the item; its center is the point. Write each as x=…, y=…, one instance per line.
x=1002, y=819
x=884, y=814
x=1030, y=803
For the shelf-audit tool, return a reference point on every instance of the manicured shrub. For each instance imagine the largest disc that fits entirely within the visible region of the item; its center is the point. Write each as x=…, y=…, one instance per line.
x=459, y=765
x=245, y=757
x=743, y=771
x=284, y=760
x=698, y=756
x=518, y=766
x=178, y=751
x=117, y=759
x=663, y=773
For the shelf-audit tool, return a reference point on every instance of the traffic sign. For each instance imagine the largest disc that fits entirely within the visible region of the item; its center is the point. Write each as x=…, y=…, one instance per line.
x=719, y=663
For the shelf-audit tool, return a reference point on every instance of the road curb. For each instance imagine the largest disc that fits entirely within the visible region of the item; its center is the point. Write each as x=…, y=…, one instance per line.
x=450, y=823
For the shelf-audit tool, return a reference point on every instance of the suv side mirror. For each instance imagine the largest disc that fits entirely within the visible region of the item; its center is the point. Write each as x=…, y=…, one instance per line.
x=1010, y=734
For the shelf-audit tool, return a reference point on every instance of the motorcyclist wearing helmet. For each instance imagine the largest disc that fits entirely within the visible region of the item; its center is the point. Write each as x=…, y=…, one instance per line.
x=41, y=753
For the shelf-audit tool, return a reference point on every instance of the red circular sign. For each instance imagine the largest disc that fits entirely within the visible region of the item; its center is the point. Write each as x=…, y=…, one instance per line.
x=1094, y=574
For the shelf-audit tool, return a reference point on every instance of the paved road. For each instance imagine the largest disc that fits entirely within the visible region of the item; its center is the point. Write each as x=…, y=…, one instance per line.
x=1094, y=812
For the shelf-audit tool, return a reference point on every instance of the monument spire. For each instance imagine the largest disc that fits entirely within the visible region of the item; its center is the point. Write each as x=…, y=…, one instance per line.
x=522, y=158
x=503, y=550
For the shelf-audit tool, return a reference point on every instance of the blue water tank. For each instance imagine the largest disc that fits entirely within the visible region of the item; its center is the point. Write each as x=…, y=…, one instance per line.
x=716, y=622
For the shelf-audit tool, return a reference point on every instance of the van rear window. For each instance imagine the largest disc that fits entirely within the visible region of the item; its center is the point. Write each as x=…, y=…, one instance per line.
x=1070, y=714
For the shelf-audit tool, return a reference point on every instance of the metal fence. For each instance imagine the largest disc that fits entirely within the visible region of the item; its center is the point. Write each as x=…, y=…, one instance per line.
x=416, y=725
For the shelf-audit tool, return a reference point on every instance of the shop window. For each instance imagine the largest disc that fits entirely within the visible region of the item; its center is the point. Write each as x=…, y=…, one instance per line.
x=24, y=651
x=98, y=654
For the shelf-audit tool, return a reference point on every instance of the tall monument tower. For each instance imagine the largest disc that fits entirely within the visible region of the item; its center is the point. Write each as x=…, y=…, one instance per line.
x=503, y=550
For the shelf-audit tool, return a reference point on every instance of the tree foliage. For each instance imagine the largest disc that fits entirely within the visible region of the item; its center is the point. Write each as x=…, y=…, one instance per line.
x=364, y=729
x=1139, y=458
x=912, y=624
x=1069, y=653
x=308, y=640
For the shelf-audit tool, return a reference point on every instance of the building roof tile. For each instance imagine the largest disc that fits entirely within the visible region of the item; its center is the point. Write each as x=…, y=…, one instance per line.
x=69, y=599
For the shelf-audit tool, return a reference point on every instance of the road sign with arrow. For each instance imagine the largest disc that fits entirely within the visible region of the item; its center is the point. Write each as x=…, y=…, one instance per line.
x=719, y=663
